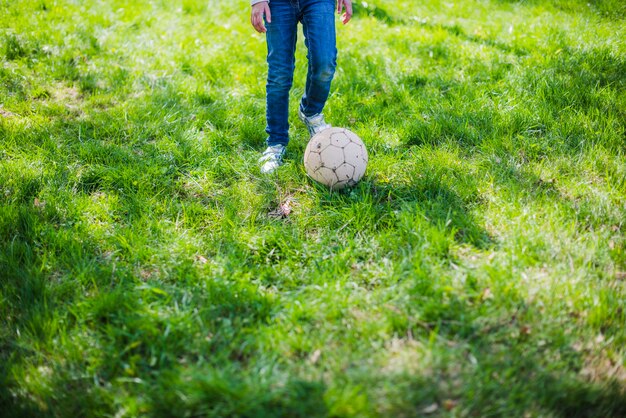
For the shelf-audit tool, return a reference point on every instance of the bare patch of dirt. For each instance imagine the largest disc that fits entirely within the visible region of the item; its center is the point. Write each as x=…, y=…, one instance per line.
x=6, y=113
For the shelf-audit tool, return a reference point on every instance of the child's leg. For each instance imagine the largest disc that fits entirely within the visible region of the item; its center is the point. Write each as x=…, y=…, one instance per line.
x=281, y=45
x=318, y=21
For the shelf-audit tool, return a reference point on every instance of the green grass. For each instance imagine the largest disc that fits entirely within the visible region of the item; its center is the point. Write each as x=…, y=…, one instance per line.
x=479, y=269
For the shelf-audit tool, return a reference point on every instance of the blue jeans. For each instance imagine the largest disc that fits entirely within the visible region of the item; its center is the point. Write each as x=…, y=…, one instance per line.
x=318, y=24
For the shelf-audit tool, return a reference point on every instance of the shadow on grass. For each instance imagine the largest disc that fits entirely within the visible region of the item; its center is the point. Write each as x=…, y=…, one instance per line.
x=224, y=392
x=457, y=31
x=77, y=321
x=81, y=317
x=445, y=208
x=364, y=9
x=612, y=9
x=513, y=376
x=371, y=10
x=495, y=361
x=406, y=208
x=570, y=104
x=35, y=256
x=578, y=78
x=527, y=390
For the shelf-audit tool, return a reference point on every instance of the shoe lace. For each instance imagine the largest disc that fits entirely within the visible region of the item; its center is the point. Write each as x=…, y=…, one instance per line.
x=317, y=120
x=274, y=153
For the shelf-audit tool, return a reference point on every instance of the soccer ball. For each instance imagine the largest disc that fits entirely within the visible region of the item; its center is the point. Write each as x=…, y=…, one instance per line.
x=335, y=157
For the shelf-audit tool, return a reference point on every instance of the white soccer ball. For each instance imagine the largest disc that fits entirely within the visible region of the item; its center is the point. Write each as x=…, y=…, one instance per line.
x=335, y=157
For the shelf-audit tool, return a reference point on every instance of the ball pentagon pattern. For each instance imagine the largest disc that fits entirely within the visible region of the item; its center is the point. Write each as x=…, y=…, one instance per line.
x=336, y=157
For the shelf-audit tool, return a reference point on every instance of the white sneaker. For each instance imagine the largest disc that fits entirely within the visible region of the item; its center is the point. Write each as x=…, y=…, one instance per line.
x=272, y=158
x=315, y=124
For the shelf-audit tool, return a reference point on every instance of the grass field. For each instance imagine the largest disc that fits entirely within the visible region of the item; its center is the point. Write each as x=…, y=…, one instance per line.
x=479, y=269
